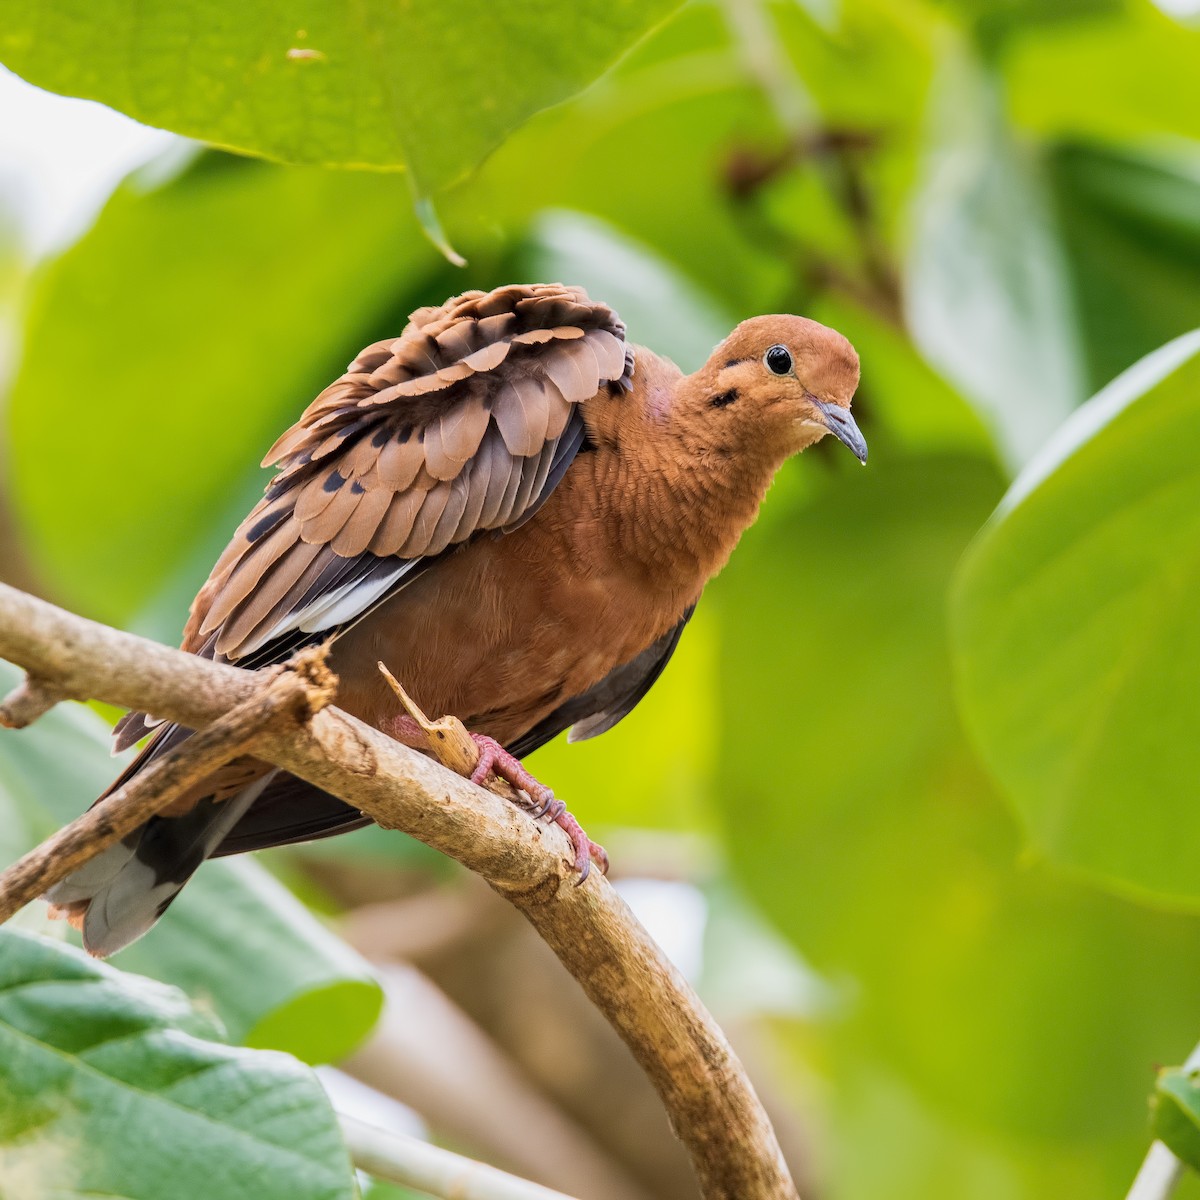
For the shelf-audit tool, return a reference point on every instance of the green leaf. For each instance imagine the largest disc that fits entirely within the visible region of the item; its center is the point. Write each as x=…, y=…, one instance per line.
x=112, y=1085
x=665, y=748
x=1176, y=1113
x=993, y=24
x=424, y=84
x=1076, y=637
x=1014, y=1003
x=236, y=940
x=1056, y=78
x=988, y=299
x=917, y=1152
x=1130, y=226
x=679, y=99
x=209, y=312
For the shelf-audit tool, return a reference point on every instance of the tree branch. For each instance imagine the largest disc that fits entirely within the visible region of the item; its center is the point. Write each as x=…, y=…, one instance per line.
x=417, y=1164
x=149, y=792
x=1161, y=1171
x=711, y=1103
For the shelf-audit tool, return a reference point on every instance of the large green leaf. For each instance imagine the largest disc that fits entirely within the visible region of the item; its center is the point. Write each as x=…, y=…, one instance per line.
x=208, y=313
x=235, y=940
x=377, y=84
x=1078, y=648
x=679, y=98
x=1130, y=226
x=1013, y=1003
x=113, y=1085
x=280, y=980
x=989, y=301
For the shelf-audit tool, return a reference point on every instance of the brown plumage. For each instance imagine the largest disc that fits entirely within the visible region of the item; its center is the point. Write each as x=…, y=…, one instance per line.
x=512, y=508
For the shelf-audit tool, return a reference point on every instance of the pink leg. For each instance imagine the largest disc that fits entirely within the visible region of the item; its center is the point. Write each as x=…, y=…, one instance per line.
x=495, y=760
x=404, y=729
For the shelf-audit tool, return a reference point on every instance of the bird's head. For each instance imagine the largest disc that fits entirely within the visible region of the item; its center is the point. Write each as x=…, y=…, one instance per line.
x=784, y=380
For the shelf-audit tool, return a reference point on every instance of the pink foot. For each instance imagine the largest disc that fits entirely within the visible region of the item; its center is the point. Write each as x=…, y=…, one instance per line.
x=495, y=760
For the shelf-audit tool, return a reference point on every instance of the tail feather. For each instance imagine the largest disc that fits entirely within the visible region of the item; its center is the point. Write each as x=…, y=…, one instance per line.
x=117, y=896
x=169, y=852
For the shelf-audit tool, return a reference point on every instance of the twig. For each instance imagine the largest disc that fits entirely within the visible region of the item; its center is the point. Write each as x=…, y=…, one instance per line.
x=416, y=1164
x=148, y=793
x=1158, y=1175
x=1161, y=1171
x=710, y=1101
x=30, y=699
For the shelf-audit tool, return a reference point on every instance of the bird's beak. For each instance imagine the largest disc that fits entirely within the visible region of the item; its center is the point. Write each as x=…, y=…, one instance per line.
x=841, y=424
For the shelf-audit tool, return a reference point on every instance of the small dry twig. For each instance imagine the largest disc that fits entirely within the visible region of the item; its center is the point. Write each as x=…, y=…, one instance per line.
x=30, y=699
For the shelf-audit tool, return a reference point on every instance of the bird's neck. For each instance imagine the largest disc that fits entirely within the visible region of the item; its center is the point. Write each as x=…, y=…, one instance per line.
x=684, y=503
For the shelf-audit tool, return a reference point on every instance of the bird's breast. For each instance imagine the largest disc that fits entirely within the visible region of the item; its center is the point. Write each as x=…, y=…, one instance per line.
x=504, y=630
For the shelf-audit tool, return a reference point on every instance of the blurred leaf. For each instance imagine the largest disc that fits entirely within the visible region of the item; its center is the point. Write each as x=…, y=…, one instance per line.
x=901, y=398
x=1131, y=230
x=1126, y=75
x=988, y=299
x=1176, y=1110
x=920, y=1153
x=857, y=818
x=660, y=306
x=278, y=978
x=1076, y=637
x=209, y=312
x=235, y=940
x=665, y=749
x=994, y=21
x=432, y=86
x=112, y=1085
x=749, y=970
x=644, y=150
x=871, y=78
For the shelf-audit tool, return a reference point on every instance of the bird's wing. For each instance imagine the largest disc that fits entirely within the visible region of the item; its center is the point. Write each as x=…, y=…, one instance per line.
x=452, y=428
x=612, y=699
x=464, y=423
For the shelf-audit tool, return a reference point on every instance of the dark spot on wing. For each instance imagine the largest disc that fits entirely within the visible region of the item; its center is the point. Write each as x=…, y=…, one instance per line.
x=357, y=489
x=335, y=481
x=278, y=485
x=264, y=525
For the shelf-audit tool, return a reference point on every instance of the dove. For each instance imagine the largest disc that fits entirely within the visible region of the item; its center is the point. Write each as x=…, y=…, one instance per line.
x=514, y=510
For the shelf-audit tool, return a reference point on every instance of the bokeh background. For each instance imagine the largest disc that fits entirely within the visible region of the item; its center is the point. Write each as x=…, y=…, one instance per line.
x=914, y=806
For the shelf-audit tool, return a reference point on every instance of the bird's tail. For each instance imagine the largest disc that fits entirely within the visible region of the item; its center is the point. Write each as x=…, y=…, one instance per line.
x=117, y=896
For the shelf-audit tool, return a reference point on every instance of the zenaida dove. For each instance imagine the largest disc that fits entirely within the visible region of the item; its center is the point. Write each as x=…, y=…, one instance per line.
x=511, y=507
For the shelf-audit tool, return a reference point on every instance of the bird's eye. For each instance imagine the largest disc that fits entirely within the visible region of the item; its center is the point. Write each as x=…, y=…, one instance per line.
x=778, y=360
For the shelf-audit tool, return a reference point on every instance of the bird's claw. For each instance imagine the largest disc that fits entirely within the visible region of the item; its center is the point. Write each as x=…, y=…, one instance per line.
x=495, y=760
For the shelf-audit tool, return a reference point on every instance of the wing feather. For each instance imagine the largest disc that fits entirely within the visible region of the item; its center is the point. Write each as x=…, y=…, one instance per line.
x=461, y=424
